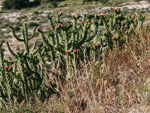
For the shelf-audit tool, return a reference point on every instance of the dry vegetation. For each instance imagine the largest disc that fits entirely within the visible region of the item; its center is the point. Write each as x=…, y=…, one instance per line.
x=119, y=83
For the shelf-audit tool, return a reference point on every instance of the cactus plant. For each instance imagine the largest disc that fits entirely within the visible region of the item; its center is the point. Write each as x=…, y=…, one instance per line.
x=90, y=38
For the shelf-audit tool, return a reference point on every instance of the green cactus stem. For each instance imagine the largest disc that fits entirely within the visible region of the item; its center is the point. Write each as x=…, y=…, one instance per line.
x=50, y=45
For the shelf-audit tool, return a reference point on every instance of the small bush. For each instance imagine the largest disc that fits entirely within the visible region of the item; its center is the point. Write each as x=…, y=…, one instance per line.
x=33, y=24
x=36, y=12
x=35, y=3
x=103, y=1
x=21, y=17
x=14, y=4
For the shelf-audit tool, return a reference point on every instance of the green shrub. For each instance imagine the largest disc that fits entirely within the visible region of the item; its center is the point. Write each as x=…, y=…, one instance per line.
x=14, y=4
x=36, y=12
x=33, y=24
x=53, y=2
x=103, y=1
x=37, y=2
x=21, y=17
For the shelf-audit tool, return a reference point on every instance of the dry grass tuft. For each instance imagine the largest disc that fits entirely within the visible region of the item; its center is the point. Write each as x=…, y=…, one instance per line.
x=117, y=84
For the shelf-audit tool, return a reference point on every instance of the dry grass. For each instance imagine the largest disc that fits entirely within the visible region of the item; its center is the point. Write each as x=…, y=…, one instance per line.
x=117, y=84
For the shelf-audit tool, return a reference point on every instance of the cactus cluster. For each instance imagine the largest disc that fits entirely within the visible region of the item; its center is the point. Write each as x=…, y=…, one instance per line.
x=22, y=76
